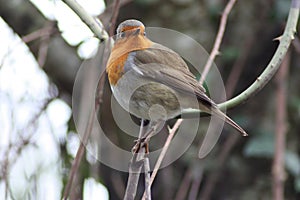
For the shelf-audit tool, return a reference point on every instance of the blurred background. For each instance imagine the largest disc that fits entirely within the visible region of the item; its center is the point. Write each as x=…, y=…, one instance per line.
x=43, y=44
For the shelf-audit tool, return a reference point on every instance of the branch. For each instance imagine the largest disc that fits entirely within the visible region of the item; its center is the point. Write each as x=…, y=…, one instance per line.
x=114, y=16
x=44, y=45
x=260, y=82
x=95, y=25
x=215, y=51
x=206, y=69
x=133, y=177
x=230, y=142
x=147, y=178
x=212, y=179
x=232, y=139
x=162, y=154
x=47, y=30
x=97, y=28
x=184, y=185
x=80, y=152
x=15, y=148
x=280, y=131
x=135, y=169
x=268, y=73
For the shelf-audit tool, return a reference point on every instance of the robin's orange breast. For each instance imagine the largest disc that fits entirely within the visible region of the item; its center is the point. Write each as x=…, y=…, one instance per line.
x=119, y=55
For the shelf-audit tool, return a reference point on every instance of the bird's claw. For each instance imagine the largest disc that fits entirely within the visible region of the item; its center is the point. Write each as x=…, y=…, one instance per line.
x=140, y=143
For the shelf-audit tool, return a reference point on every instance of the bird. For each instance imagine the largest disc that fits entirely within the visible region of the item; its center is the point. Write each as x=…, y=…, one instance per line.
x=153, y=82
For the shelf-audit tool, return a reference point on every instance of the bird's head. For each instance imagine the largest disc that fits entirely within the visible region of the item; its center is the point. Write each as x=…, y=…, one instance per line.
x=130, y=28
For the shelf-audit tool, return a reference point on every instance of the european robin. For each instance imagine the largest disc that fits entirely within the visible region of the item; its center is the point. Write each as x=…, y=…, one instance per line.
x=152, y=81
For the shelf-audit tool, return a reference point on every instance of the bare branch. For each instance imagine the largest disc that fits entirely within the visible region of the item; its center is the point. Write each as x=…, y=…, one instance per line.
x=268, y=73
x=136, y=164
x=95, y=25
x=48, y=30
x=99, y=31
x=185, y=183
x=114, y=16
x=275, y=62
x=163, y=153
x=206, y=69
x=44, y=45
x=133, y=178
x=252, y=90
x=215, y=51
x=14, y=149
x=280, y=131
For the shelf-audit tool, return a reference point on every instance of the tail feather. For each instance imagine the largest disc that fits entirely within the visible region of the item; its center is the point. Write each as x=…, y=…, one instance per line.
x=223, y=116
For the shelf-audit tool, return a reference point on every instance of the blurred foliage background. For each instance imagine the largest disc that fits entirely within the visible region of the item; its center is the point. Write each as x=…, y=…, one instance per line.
x=237, y=168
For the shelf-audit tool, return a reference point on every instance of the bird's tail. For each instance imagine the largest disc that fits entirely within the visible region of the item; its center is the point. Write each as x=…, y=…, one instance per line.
x=223, y=116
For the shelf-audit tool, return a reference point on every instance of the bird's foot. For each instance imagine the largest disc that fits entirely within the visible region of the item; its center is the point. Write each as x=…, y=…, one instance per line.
x=141, y=143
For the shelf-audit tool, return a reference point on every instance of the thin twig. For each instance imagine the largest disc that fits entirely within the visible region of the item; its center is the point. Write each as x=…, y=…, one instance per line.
x=43, y=47
x=280, y=131
x=232, y=138
x=114, y=16
x=179, y=121
x=163, y=153
x=267, y=75
x=261, y=80
x=105, y=16
x=184, y=186
x=271, y=69
x=45, y=31
x=213, y=54
x=208, y=64
x=215, y=51
x=213, y=178
x=195, y=188
x=80, y=152
x=107, y=50
x=18, y=146
x=147, y=178
x=118, y=185
x=135, y=168
x=98, y=30
x=88, y=129
x=133, y=177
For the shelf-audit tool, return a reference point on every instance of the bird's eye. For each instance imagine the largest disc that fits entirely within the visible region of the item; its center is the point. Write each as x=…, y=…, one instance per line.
x=122, y=34
x=144, y=33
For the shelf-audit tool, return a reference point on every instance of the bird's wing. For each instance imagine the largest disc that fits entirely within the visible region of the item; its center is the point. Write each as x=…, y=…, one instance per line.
x=163, y=65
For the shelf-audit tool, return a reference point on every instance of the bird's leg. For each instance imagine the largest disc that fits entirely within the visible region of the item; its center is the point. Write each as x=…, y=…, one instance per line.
x=143, y=140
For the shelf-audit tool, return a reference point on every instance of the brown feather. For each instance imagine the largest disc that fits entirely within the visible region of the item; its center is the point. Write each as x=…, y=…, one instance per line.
x=163, y=65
